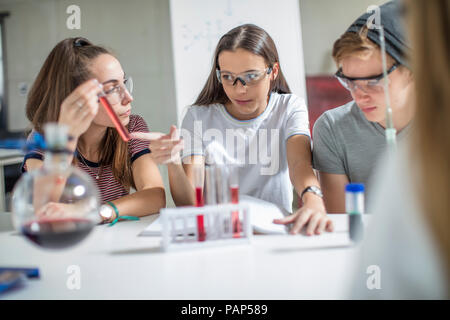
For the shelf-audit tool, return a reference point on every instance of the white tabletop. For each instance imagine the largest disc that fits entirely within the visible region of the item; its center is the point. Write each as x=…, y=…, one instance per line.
x=9, y=153
x=116, y=263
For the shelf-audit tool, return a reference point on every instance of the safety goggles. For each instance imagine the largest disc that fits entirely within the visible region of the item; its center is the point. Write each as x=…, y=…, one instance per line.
x=372, y=84
x=249, y=78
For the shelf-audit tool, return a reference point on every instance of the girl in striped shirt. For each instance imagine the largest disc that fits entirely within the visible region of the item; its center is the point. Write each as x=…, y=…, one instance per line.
x=65, y=91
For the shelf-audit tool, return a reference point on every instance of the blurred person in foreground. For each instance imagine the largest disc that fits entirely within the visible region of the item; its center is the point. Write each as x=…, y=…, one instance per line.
x=406, y=254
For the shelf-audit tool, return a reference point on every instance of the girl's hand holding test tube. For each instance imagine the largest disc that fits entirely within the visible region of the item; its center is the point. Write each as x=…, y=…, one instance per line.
x=165, y=148
x=80, y=107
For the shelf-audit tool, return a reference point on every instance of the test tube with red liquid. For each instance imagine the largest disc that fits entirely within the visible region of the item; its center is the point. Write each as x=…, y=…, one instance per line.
x=198, y=183
x=234, y=192
x=210, y=197
x=123, y=132
x=223, y=197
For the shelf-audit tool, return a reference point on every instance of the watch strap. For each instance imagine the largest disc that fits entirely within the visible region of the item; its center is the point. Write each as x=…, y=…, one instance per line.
x=118, y=217
x=314, y=189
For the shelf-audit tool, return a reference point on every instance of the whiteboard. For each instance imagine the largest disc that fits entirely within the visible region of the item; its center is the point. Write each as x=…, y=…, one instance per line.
x=197, y=25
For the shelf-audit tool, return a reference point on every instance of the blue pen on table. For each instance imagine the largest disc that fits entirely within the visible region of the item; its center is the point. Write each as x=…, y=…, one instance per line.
x=10, y=279
x=29, y=272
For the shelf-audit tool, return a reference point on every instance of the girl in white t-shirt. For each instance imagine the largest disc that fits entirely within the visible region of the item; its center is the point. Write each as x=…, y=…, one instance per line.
x=247, y=116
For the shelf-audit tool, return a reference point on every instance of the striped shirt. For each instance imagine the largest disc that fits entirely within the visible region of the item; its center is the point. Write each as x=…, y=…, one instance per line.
x=110, y=189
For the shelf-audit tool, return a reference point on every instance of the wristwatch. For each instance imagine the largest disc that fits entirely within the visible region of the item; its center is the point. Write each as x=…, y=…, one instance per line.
x=314, y=189
x=106, y=212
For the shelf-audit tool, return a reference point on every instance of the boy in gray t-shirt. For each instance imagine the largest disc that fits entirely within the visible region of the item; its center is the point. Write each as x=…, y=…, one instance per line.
x=348, y=140
x=346, y=143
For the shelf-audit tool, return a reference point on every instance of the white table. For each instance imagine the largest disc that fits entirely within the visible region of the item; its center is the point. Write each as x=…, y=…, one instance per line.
x=7, y=157
x=115, y=263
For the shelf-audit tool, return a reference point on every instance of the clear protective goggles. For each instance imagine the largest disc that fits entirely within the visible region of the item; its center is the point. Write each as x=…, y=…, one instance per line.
x=115, y=91
x=249, y=78
x=372, y=84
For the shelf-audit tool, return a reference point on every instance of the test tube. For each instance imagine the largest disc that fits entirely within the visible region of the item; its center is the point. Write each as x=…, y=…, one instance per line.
x=211, y=199
x=221, y=191
x=198, y=183
x=354, y=206
x=234, y=192
x=223, y=197
x=123, y=132
x=210, y=185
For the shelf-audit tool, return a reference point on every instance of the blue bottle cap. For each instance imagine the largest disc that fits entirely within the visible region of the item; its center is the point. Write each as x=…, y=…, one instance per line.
x=354, y=187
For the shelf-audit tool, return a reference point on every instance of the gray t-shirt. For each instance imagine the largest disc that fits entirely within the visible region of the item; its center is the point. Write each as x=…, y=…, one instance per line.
x=345, y=142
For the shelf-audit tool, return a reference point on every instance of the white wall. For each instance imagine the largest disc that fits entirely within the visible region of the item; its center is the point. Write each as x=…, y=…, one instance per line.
x=323, y=22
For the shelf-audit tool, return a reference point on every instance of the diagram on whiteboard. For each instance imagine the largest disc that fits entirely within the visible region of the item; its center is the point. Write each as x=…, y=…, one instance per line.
x=207, y=35
x=207, y=32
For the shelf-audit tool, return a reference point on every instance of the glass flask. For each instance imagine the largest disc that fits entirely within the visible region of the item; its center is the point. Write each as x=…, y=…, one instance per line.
x=57, y=205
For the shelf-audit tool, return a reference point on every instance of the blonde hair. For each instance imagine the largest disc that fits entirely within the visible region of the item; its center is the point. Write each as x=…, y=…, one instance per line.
x=352, y=44
x=429, y=28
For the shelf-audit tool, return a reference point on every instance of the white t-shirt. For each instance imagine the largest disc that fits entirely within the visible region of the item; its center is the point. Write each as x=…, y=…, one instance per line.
x=399, y=258
x=257, y=146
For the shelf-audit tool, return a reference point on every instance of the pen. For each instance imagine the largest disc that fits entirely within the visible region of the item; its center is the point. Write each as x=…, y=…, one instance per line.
x=29, y=272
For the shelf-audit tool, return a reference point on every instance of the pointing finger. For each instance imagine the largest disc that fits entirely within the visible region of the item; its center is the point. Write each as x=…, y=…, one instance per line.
x=148, y=136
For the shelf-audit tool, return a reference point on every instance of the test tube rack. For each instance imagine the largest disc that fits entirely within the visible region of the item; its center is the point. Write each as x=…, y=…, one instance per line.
x=180, y=229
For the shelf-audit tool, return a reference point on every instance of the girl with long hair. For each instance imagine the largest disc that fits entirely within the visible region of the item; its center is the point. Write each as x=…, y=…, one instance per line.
x=66, y=91
x=246, y=115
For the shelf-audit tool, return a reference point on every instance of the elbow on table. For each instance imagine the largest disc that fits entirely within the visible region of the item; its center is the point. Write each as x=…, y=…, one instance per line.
x=156, y=200
x=161, y=199
x=188, y=199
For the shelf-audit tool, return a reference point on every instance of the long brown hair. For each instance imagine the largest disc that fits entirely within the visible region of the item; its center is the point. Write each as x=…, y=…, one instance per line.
x=66, y=67
x=429, y=28
x=253, y=39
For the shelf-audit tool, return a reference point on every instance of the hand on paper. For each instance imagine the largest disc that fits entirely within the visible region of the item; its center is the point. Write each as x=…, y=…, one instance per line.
x=312, y=216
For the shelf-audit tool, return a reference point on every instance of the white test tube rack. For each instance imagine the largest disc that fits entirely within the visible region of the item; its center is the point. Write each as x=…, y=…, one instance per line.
x=180, y=232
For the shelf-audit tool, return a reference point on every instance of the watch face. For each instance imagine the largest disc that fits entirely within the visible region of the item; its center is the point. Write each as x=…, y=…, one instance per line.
x=106, y=211
x=316, y=190
x=313, y=189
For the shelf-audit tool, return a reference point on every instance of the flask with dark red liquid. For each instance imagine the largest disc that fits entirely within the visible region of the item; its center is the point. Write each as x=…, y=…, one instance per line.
x=55, y=206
